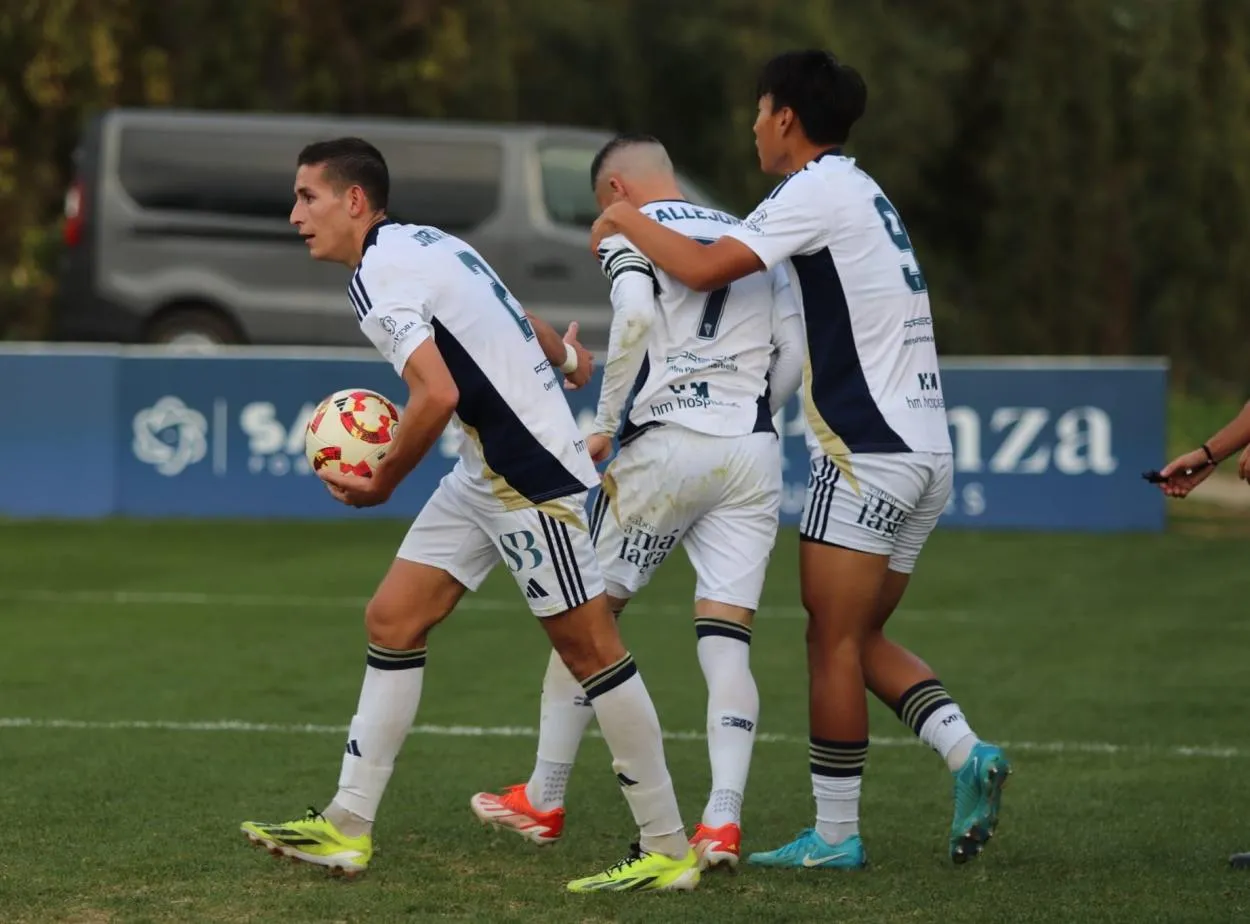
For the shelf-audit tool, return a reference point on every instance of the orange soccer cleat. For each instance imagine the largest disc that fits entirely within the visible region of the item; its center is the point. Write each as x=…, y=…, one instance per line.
x=512, y=811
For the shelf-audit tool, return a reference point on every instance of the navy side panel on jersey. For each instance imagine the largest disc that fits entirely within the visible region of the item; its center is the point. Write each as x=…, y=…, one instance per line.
x=839, y=389
x=629, y=429
x=508, y=446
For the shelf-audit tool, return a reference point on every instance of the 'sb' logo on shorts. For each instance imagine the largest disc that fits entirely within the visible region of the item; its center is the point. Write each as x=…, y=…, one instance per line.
x=520, y=550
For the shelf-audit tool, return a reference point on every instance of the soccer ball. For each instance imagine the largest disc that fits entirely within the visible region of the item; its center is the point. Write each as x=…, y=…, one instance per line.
x=351, y=430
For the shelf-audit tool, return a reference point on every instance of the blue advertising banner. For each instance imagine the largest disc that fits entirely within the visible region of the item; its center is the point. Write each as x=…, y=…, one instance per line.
x=1038, y=444
x=1056, y=444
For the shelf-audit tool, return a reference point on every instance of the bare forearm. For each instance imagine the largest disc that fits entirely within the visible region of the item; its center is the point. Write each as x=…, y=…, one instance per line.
x=552, y=343
x=420, y=427
x=1233, y=438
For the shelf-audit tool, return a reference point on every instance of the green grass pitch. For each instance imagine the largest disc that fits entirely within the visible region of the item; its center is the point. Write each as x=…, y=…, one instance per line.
x=1114, y=669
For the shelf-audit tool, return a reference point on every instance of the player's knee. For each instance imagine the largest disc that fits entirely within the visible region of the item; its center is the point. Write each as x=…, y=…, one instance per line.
x=392, y=625
x=586, y=638
x=587, y=657
x=829, y=633
x=814, y=600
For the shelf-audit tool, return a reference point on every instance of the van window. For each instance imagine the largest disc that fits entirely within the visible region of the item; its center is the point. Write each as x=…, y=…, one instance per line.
x=454, y=185
x=203, y=171
x=566, y=185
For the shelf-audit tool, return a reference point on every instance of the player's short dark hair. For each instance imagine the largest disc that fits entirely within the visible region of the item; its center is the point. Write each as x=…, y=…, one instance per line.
x=827, y=96
x=623, y=140
x=351, y=162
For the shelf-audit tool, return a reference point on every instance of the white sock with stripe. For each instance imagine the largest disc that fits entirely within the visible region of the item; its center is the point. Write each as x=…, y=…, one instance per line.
x=733, y=710
x=566, y=712
x=631, y=729
x=384, y=715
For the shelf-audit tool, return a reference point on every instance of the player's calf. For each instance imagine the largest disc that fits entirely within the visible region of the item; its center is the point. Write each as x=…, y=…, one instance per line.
x=341, y=836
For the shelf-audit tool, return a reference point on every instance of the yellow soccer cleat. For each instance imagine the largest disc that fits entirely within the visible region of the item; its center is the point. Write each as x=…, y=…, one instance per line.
x=313, y=839
x=643, y=872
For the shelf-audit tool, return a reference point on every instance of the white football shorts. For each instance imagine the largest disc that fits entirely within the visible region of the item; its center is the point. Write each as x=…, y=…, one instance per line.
x=883, y=503
x=465, y=530
x=719, y=496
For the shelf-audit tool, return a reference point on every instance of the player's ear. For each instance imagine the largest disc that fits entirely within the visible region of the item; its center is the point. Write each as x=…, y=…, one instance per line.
x=785, y=119
x=618, y=190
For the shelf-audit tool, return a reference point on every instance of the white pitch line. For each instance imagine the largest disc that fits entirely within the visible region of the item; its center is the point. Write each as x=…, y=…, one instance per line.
x=297, y=601
x=520, y=731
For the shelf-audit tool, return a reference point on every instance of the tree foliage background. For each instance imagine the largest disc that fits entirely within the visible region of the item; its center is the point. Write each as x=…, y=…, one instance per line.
x=1075, y=173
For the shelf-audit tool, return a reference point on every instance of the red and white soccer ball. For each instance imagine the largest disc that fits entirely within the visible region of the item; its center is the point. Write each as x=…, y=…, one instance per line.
x=351, y=430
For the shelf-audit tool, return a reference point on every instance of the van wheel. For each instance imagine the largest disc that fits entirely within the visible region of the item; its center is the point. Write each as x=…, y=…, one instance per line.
x=192, y=327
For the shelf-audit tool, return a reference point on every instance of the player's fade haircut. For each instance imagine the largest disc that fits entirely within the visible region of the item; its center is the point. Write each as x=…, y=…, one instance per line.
x=619, y=143
x=827, y=96
x=351, y=162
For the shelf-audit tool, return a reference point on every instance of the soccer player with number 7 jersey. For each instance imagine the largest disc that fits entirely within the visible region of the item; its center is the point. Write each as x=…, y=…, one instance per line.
x=699, y=465
x=881, y=459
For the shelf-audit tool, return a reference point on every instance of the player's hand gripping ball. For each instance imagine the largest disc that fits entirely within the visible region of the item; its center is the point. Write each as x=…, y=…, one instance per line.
x=351, y=431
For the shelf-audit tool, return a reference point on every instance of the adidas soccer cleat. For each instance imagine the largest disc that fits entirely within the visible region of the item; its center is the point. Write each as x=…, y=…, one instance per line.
x=315, y=840
x=512, y=811
x=717, y=846
x=978, y=795
x=643, y=872
x=811, y=851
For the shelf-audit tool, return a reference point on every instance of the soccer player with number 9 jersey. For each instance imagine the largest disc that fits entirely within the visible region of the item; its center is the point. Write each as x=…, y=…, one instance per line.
x=881, y=460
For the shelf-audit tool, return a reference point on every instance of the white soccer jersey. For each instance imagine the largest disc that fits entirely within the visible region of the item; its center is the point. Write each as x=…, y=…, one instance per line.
x=416, y=282
x=708, y=354
x=873, y=384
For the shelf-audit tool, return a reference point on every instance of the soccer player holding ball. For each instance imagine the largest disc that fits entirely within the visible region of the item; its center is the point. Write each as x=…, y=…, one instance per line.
x=464, y=346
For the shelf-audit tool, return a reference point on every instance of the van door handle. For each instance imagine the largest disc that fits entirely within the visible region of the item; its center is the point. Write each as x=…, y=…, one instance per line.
x=550, y=269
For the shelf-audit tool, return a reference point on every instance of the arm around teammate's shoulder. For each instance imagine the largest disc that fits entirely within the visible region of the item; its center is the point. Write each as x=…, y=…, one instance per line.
x=701, y=267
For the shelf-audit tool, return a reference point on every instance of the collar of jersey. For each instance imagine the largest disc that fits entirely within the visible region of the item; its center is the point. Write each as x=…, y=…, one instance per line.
x=828, y=152
x=372, y=237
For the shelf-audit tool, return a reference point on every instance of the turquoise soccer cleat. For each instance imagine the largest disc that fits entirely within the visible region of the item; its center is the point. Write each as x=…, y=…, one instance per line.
x=978, y=795
x=810, y=851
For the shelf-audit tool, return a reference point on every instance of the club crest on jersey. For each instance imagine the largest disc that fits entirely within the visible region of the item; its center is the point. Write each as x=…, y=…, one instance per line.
x=755, y=219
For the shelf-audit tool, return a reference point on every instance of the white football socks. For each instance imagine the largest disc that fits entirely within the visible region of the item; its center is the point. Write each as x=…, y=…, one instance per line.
x=937, y=720
x=733, y=708
x=566, y=712
x=384, y=715
x=631, y=729
x=837, y=806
